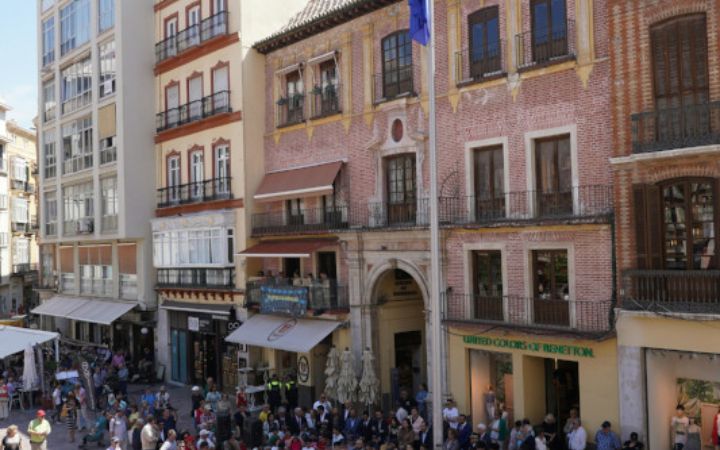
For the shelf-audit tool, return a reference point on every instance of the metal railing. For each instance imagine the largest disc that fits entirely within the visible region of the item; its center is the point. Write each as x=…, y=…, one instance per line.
x=537, y=47
x=308, y=219
x=192, y=36
x=681, y=127
x=196, y=192
x=474, y=65
x=77, y=163
x=217, y=103
x=20, y=227
x=578, y=202
x=108, y=155
x=394, y=84
x=326, y=100
x=391, y=214
x=24, y=268
x=204, y=277
x=321, y=295
x=584, y=316
x=20, y=185
x=679, y=291
x=290, y=110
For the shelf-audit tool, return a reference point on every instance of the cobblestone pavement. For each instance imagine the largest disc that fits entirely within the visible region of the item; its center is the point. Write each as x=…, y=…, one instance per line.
x=59, y=440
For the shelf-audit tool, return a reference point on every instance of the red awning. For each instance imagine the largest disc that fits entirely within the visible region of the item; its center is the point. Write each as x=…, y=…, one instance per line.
x=301, y=248
x=307, y=181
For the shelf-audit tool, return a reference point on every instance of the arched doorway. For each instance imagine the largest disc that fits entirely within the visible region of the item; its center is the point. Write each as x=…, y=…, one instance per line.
x=400, y=337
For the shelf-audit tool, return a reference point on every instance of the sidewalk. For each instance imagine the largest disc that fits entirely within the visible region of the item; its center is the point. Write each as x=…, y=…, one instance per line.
x=58, y=439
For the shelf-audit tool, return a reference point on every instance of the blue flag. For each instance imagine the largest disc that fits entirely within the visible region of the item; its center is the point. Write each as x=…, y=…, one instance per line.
x=419, y=21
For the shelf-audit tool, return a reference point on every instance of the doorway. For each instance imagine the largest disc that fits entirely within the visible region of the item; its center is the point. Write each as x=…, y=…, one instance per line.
x=291, y=266
x=408, y=359
x=327, y=265
x=562, y=388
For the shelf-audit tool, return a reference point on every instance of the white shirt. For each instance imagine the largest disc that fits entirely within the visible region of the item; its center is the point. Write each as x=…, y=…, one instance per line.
x=167, y=445
x=679, y=426
x=577, y=439
x=325, y=405
x=118, y=428
x=57, y=396
x=540, y=444
x=451, y=415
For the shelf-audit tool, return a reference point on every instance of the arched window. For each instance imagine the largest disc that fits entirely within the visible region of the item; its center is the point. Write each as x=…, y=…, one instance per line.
x=397, y=64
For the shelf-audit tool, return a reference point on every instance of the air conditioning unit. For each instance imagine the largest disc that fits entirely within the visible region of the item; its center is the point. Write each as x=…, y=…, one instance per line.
x=85, y=226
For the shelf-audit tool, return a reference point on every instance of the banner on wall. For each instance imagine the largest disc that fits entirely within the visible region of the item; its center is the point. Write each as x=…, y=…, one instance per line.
x=291, y=300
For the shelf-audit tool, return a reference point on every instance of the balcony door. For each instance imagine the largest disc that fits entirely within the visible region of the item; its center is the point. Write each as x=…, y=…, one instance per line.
x=221, y=88
x=195, y=95
x=401, y=189
x=173, y=179
x=484, y=35
x=553, y=183
x=397, y=64
x=549, y=30
x=487, y=287
x=171, y=30
x=197, y=175
x=680, y=76
x=172, y=105
x=489, y=180
x=551, y=286
x=193, y=25
x=222, y=170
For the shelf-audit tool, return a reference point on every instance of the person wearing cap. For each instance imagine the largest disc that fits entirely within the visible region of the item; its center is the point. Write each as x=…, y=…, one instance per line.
x=206, y=438
x=606, y=438
x=196, y=397
x=163, y=398
x=39, y=429
x=114, y=444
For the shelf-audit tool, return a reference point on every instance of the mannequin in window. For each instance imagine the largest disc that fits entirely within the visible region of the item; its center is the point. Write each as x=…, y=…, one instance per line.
x=679, y=427
x=489, y=399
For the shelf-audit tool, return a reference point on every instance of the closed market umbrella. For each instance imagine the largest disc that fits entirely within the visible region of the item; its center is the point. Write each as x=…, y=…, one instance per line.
x=347, y=382
x=369, y=382
x=332, y=372
x=30, y=374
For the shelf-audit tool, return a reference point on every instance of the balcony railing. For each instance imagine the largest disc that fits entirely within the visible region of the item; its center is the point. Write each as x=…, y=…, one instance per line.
x=205, y=277
x=49, y=114
x=321, y=295
x=326, y=100
x=23, y=268
x=79, y=101
x=394, y=84
x=681, y=127
x=478, y=64
x=200, y=191
x=192, y=36
x=577, y=203
x=77, y=163
x=309, y=219
x=20, y=227
x=217, y=103
x=678, y=291
x=537, y=47
x=108, y=155
x=290, y=110
x=583, y=316
x=20, y=185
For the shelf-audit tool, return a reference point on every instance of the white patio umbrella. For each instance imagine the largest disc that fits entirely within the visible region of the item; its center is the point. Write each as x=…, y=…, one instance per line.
x=369, y=382
x=30, y=374
x=332, y=372
x=347, y=382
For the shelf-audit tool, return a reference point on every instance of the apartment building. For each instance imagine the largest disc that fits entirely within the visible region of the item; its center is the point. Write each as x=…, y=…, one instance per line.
x=95, y=129
x=18, y=217
x=666, y=137
x=208, y=151
x=342, y=213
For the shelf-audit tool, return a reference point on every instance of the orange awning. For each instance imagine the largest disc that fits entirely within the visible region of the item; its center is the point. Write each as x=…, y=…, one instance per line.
x=294, y=183
x=300, y=248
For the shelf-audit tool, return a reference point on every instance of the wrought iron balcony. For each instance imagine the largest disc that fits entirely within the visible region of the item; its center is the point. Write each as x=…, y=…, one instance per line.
x=580, y=202
x=20, y=227
x=681, y=127
x=473, y=65
x=23, y=268
x=197, y=278
x=308, y=219
x=192, y=36
x=537, y=48
x=196, y=192
x=290, y=110
x=22, y=185
x=673, y=291
x=321, y=295
x=393, y=84
x=326, y=100
x=217, y=103
x=413, y=213
x=581, y=316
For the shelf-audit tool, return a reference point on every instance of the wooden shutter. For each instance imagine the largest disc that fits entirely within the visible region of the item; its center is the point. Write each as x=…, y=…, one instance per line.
x=648, y=226
x=127, y=258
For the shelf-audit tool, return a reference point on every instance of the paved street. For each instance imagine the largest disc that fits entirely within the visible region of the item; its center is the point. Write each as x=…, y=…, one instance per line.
x=58, y=440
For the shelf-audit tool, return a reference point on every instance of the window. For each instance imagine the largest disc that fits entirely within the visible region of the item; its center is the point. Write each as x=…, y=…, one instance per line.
x=74, y=25
x=77, y=145
x=193, y=25
x=173, y=177
x=183, y=248
x=127, y=266
x=295, y=211
x=110, y=203
x=77, y=205
x=397, y=65
x=96, y=270
x=19, y=169
x=107, y=69
x=221, y=89
x=401, y=191
x=197, y=174
x=295, y=97
x=172, y=105
x=219, y=6
x=230, y=245
x=171, y=27
x=489, y=180
x=21, y=251
x=553, y=176
x=549, y=30
x=487, y=285
x=20, y=210
x=222, y=169
x=76, y=85
x=106, y=14
x=680, y=69
x=326, y=90
x=49, y=104
x=49, y=153
x=484, y=36
x=551, y=274
x=48, y=40
x=50, y=213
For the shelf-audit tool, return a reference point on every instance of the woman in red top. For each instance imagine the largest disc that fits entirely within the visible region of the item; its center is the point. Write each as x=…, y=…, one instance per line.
x=716, y=431
x=4, y=400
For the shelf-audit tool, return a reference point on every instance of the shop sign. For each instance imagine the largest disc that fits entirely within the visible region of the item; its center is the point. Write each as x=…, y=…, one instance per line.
x=538, y=347
x=193, y=323
x=291, y=300
x=303, y=369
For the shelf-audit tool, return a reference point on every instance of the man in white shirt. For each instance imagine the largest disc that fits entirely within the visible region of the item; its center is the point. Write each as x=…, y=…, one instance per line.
x=577, y=439
x=450, y=414
x=323, y=402
x=150, y=434
x=118, y=428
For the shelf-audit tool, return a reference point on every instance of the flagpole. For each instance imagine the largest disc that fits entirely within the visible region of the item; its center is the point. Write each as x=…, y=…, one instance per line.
x=435, y=280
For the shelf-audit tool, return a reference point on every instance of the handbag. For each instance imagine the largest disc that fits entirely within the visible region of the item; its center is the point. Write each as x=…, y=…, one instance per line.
x=64, y=411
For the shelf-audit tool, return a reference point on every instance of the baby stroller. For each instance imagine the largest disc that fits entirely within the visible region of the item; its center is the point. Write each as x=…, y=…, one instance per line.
x=96, y=436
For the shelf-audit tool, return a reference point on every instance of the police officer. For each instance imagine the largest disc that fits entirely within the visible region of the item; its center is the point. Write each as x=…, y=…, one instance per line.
x=291, y=392
x=274, y=388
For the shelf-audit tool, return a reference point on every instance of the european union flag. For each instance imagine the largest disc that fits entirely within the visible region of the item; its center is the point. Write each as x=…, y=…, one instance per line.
x=419, y=21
